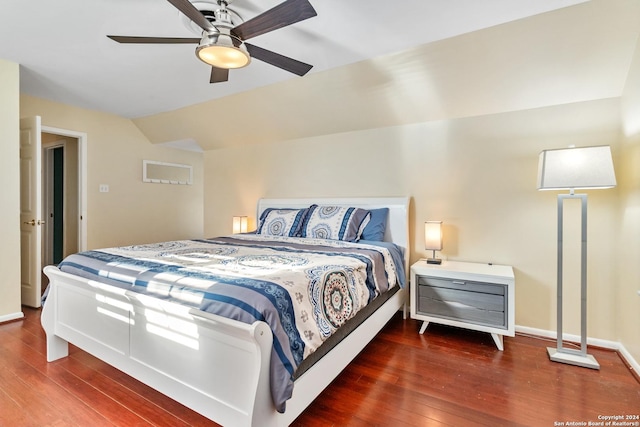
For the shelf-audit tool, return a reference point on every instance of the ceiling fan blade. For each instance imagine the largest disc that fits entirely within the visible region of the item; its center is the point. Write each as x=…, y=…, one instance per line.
x=219, y=75
x=277, y=60
x=154, y=40
x=282, y=15
x=192, y=13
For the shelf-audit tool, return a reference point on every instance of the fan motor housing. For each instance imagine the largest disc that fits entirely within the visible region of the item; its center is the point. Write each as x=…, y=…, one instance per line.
x=210, y=11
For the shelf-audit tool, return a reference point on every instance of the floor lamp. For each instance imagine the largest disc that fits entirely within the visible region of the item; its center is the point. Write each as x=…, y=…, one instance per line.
x=570, y=169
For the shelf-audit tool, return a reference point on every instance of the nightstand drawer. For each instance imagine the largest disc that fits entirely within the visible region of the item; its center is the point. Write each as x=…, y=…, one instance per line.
x=480, y=308
x=467, y=285
x=474, y=299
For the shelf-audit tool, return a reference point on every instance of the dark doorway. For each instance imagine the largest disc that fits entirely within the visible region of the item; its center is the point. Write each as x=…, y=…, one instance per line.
x=58, y=204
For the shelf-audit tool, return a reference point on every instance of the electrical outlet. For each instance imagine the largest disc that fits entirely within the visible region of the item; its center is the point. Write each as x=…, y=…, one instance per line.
x=104, y=188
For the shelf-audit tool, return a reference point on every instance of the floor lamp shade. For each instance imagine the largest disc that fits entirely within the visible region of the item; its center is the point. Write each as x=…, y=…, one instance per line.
x=570, y=169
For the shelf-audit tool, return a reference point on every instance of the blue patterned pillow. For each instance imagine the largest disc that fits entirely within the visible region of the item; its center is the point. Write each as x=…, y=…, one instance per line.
x=281, y=222
x=335, y=223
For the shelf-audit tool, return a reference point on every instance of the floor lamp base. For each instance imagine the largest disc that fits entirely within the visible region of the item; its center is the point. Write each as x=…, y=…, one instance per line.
x=584, y=360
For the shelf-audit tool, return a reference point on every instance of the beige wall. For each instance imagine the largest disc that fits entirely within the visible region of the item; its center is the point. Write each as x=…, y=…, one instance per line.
x=478, y=175
x=9, y=194
x=132, y=211
x=628, y=299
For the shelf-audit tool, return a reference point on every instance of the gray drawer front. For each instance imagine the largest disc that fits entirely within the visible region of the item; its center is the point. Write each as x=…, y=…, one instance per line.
x=485, y=288
x=451, y=310
x=473, y=299
x=471, y=302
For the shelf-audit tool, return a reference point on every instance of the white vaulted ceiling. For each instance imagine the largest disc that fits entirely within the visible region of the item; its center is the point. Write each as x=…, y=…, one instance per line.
x=375, y=63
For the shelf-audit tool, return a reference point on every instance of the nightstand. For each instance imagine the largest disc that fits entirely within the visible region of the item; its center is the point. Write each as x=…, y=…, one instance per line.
x=464, y=294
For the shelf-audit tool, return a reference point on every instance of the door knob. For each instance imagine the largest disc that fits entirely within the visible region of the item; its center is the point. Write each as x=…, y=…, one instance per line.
x=33, y=222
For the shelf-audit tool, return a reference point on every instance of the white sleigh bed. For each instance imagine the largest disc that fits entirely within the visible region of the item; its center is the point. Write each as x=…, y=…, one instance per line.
x=235, y=391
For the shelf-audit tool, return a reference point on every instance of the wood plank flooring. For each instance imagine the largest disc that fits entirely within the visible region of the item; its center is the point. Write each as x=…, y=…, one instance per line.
x=446, y=377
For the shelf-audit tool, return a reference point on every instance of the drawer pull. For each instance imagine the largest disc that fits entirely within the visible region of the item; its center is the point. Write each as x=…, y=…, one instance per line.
x=459, y=282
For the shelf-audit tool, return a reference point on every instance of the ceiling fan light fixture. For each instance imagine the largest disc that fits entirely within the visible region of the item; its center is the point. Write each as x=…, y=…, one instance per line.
x=223, y=51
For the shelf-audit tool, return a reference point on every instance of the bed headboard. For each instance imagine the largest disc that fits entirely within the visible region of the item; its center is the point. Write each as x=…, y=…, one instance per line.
x=397, y=223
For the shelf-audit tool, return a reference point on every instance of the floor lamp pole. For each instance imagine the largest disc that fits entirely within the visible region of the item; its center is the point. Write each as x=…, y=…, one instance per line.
x=561, y=353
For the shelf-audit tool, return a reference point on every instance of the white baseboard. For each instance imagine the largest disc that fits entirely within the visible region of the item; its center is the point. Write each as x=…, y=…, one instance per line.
x=11, y=316
x=613, y=345
x=629, y=359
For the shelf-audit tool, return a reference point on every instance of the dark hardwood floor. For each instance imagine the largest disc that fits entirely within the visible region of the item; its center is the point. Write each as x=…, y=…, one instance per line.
x=448, y=376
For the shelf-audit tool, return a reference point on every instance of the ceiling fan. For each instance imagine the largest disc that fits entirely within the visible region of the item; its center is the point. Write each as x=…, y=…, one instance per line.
x=223, y=44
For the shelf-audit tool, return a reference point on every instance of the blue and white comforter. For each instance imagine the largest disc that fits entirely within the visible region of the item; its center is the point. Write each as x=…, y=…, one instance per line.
x=303, y=288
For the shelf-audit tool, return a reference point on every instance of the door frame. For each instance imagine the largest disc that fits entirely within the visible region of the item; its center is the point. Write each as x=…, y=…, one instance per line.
x=82, y=179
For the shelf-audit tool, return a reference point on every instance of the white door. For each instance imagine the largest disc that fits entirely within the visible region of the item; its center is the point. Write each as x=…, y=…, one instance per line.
x=31, y=210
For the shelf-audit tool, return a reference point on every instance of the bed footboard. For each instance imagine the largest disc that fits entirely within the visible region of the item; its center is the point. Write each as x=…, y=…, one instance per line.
x=215, y=366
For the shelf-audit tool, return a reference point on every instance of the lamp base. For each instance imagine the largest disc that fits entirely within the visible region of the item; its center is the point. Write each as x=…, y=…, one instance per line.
x=583, y=360
x=434, y=261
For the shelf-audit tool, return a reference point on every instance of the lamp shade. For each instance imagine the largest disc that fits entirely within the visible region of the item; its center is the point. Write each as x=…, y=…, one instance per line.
x=433, y=235
x=239, y=224
x=569, y=168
